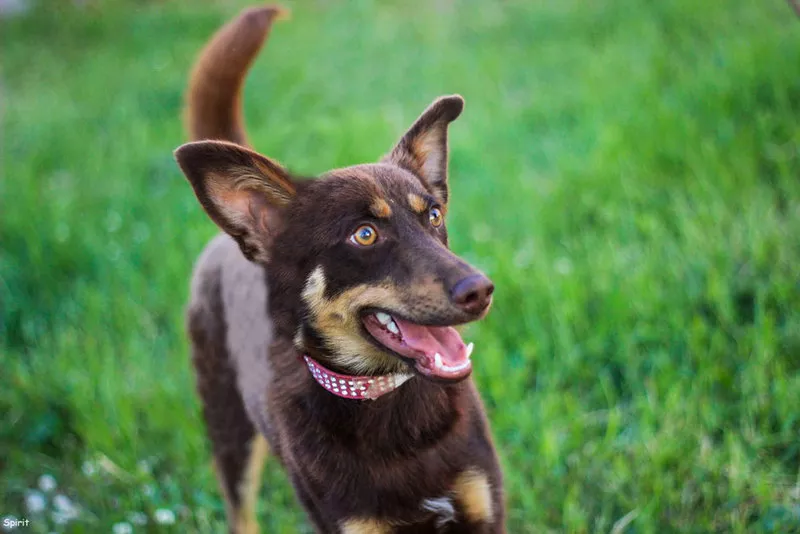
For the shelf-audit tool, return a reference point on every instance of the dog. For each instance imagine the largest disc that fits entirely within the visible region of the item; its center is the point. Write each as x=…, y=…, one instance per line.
x=321, y=322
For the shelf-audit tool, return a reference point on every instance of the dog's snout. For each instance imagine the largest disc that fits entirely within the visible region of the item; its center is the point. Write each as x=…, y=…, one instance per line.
x=473, y=293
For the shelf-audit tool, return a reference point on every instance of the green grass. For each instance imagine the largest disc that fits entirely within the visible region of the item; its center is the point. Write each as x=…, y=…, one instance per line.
x=627, y=173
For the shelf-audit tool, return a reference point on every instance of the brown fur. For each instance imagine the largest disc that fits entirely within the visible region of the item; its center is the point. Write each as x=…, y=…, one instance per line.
x=214, y=98
x=286, y=281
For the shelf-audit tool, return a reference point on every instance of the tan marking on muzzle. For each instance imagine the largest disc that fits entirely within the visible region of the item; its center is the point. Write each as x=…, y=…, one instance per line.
x=338, y=322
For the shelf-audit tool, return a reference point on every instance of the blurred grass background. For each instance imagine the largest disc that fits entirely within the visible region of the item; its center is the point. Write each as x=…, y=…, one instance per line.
x=626, y=171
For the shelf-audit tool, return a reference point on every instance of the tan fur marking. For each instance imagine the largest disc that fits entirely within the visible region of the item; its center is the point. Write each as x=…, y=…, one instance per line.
x=246, y=522
x=366, y=526
x=380, y=208
x=416, y=202
x=474, y=493
x=338, y=323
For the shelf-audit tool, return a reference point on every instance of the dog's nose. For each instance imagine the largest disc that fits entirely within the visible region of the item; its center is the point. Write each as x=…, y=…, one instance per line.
x=473, y=293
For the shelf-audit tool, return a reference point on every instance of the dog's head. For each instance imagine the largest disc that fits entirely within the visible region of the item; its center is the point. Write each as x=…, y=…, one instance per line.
x=361, y=251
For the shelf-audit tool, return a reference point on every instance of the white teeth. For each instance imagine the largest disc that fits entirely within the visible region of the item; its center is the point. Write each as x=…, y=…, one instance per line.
x=384, y=318
x=453, y=368
x=437, y=359
x=469, y=349
x=392, y=327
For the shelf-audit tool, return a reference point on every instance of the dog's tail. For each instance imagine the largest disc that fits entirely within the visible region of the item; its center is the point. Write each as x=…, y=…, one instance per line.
x=214, y=99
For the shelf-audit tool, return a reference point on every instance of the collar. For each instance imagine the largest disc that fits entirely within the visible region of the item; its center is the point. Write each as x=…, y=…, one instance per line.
x=355, y=387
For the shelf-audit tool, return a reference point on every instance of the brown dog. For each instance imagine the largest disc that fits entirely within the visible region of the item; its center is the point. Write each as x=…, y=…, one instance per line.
x=350, y=371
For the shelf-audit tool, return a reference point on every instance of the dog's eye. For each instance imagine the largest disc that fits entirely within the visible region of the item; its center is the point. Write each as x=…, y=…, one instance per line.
x=436, y=217
x=365, y=235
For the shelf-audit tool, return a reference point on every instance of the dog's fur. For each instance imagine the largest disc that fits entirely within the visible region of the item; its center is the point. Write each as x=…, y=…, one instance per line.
x=419, y=459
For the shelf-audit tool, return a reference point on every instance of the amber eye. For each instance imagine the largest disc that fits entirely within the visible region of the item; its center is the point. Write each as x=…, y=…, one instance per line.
x=365, y=235
x=436, y=217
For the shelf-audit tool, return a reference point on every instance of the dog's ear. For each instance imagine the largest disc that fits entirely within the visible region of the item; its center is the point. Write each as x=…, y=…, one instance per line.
x=423, y=148
x=241, y=190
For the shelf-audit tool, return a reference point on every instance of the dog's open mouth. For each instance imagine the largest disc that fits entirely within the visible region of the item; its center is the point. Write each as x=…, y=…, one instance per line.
x=437, y=351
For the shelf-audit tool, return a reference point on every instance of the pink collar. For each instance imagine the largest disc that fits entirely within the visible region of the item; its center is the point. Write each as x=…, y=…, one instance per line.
x=355, y=387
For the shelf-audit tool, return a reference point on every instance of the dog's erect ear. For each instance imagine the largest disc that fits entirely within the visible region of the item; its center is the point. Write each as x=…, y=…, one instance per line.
x=241, y=190
x=423, y=148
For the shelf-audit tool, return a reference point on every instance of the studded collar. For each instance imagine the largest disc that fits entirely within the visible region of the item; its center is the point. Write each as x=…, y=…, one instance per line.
x=355, y=387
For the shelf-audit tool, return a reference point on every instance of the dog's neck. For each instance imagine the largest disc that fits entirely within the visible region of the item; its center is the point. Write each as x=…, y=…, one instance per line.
x=403, y=421
x=354, y=387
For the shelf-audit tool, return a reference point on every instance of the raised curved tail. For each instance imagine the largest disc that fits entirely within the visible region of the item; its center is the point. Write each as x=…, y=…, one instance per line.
x=214, y=98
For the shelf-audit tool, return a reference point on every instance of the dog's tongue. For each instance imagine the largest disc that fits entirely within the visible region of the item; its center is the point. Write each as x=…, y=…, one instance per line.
x=432, y=339
x=427, y=341
x=437, y=351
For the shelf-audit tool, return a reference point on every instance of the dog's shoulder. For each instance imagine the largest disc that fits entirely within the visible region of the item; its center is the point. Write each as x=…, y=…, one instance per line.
x=229, y=287
x=229, y=300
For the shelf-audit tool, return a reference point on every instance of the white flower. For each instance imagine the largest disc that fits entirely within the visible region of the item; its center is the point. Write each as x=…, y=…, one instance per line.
x=35, y=501
x=137, y=518
x=148, y=490
x=60, y=518
x=64, y=505
x=89, y=468
x=164, y=516
x=122, y=528
x=47, y=483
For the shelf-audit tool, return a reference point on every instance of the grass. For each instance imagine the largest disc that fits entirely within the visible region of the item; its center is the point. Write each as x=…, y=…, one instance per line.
x=626, y=172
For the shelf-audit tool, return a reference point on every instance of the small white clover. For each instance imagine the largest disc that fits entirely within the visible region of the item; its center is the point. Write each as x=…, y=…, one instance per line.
x=164, y=516
x=47, y=483
x=89, y=468
x=148, y=490
x=60, y=518
x=137, y=518
x=64, y=505
x=35, y=501
x=122, y=528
